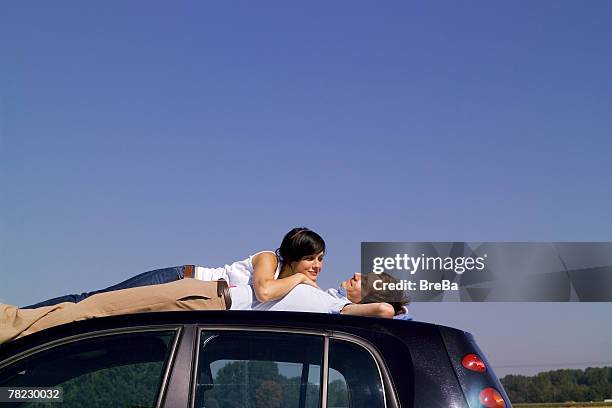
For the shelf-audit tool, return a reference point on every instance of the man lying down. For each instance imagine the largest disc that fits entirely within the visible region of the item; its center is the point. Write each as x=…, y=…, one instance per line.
x=180, y=295
x=347, y=299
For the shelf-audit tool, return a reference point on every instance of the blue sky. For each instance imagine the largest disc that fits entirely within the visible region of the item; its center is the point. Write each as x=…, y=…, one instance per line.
x=147, y=134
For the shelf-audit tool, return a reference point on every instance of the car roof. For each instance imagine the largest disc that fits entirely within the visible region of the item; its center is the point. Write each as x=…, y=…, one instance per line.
x=356, y=325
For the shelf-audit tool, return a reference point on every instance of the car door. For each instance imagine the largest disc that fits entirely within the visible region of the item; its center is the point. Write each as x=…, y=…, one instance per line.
x=113, y=368
x=256, y=368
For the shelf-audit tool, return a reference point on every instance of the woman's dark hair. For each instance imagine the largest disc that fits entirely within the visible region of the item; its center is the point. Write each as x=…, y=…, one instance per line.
x=298, y=243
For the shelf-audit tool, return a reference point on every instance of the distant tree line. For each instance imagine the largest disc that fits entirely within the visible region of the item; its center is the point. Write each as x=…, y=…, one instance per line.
x=591, y=384
x=259, y=384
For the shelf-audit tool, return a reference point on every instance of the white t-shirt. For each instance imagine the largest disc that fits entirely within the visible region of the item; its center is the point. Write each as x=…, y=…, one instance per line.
x=240, y=273
x=305, y=298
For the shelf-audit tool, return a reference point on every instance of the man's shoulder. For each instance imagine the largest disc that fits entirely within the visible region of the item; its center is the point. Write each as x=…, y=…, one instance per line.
x=304, y=288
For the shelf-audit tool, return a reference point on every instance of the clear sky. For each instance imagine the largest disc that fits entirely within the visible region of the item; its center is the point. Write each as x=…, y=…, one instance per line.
x=137, y=135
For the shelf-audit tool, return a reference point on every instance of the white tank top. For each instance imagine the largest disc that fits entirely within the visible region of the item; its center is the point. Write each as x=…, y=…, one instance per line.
x=240, y=273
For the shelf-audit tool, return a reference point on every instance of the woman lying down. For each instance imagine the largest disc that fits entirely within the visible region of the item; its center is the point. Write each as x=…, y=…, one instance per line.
x=280, y=280
x=264, y=280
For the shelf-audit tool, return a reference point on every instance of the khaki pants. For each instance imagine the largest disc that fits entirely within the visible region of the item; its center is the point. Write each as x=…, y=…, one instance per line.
x=184, y=294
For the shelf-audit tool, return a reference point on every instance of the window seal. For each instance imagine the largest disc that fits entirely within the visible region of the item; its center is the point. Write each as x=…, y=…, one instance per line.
x=325, y=372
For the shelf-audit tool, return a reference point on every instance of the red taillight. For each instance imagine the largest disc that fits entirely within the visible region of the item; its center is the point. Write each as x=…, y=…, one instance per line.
x=490, y=398
x=474, y=363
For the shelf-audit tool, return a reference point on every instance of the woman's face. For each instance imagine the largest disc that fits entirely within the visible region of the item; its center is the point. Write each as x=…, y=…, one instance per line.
x=353, y=288
x=310, y=265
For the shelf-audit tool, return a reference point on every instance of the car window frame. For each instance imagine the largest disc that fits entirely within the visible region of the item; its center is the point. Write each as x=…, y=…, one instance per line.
x=390, y=398
x=169, y=363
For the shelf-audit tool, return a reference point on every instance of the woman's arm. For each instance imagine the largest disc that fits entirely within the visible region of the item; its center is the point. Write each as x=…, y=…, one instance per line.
x=369, y=309
x=265, y=286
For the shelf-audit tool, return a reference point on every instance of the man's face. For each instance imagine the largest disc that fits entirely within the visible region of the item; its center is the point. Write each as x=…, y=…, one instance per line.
x=353, y=288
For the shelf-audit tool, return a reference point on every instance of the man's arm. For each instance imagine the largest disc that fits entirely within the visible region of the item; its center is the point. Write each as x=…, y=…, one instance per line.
x=384, y=310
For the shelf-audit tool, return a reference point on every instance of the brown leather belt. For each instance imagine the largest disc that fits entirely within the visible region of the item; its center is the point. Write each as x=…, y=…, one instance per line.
x=189, y=271
x=223, y=290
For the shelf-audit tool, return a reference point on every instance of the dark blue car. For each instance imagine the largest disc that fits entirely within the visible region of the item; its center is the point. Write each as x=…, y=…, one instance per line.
x=248, y=359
